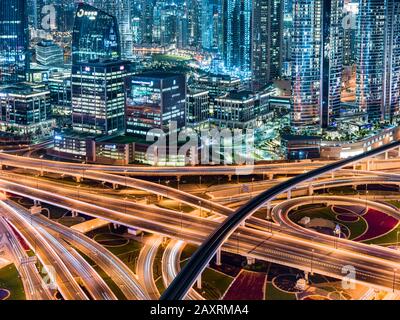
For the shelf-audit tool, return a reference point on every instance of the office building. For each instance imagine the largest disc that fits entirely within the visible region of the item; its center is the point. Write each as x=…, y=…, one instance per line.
x=378, y=63
x=154, y=100
x=25, y=109
x=237, y=36
x=197, y=108
x=14, y=37
x=267, y=40
x=95, y=35
x=241, y=110
x=49, y=54
x=317, y=57
x=98, y=97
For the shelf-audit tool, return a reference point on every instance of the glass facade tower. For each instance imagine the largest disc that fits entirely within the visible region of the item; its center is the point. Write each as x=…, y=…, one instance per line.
x=95, y=35
x=237, y=36
x=267, y=28
x=13, y=40
x=317, y=58
x=98, y=97
x=378, y=58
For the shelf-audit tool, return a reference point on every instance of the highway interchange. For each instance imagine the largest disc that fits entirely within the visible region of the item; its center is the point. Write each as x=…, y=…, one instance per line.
x=280, y=241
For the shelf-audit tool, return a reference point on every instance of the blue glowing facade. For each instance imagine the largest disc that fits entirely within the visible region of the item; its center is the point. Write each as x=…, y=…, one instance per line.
x=13, y=41
x=237, y=35
x=95, y=35
x=317, y=58
x=378, y=58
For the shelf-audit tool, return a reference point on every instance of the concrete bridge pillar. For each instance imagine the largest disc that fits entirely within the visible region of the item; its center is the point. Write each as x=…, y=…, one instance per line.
x=368, y=165
x=398, y=152
x=199, y=282
x=268, y=210
x=78, y=179
x=218, y=257
x=310, y=190
x=250, y=261
x=289, y=194
x=306, y=277
x=270, y=176
x=332, y=174
x=115, y=186
x=230, y=178
x=386, y=155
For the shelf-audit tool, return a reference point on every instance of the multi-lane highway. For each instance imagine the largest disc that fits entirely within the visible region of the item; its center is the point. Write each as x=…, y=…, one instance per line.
x=284, y=245
x=122, y=276
x=34, y=286
x=185, y=279
x=277, y=247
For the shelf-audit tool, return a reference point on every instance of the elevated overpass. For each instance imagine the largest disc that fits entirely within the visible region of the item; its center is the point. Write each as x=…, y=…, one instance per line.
x=200, y=259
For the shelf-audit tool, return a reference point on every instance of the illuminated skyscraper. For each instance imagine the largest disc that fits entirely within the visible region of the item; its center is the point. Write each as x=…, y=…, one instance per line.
x=95, y=35
x=121, y=10
x=146, y=10
x=267, y=41
x=317, y=57
x=350, y=32
x=332, y=61
x=237, y=35
x=98, y=97
x=378, y=58
x=194, y=22
x=13, y=40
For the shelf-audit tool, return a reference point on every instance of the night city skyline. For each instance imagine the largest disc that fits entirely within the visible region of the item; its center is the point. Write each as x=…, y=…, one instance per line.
x=199, y=150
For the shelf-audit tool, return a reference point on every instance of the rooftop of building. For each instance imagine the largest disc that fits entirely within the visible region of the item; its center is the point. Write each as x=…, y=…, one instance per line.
x=238, y=95
x=23, y=88
x=158, y=74
x=295, y=137
x=194, y=91
x=102, y=62
x=47, y=43
x=218, y=77
x=75, y=134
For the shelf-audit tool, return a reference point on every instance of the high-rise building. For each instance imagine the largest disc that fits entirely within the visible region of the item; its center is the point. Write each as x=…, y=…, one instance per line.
x=122, y=11
x=49, y=54
x=193, y=8
x=317, y=57
x=146, y=10
x=267, y=41
x=378, y=58
x=154, y=100
x=237, y=36
x=95, y=35
x=14, y=58
x=332, y=61
x=98, y=97
x=350, y=32
x=287, y=38
x=197, y=108
x=165, y=24
x=25, y=109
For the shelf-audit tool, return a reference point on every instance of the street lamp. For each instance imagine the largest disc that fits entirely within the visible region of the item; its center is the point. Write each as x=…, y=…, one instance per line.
x=238, y=242
x=200, y=208
x=312, y=260
x=397, y=240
